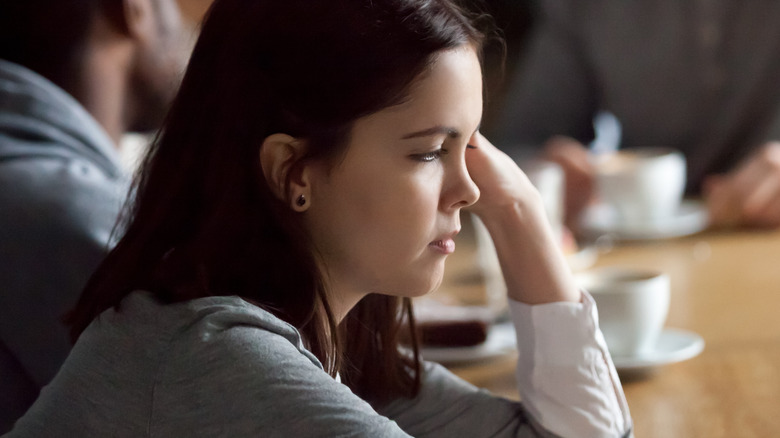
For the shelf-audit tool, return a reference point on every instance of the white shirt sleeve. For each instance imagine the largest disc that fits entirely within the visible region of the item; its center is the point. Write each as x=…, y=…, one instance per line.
x=565, y=374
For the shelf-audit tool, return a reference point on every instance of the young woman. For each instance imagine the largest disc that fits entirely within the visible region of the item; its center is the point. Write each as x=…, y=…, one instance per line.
x=307, y=183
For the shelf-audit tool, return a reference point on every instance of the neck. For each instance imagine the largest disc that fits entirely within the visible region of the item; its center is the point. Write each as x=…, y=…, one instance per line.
x=342, y=302
x=342, y=297
x=103, y=77
x=102, y=90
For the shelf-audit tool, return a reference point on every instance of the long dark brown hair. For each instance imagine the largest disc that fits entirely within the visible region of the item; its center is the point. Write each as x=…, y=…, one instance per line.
x=202, y=220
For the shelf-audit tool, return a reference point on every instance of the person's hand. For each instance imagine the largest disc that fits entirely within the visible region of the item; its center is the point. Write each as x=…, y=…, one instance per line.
x=578, y=172
x=748, y=195
x=501, y=183
x=512, y=210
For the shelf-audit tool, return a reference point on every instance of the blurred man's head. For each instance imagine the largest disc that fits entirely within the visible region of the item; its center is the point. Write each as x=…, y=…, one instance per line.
x=93, y=48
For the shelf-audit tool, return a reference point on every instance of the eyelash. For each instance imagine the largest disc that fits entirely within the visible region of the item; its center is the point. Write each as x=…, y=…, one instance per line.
x=429, y=157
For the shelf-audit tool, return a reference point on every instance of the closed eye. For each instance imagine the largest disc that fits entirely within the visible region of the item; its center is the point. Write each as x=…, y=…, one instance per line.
x=428, y=157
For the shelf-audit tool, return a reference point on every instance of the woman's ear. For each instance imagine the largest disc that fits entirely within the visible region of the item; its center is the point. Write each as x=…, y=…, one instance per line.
x=279, y=155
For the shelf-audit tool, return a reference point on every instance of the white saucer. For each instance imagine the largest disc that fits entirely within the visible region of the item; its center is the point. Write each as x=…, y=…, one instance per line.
x=692, y=217
x=674, y=345
x=500, y=341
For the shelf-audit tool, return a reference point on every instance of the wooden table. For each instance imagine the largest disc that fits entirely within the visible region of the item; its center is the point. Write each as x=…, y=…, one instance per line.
x=726, y=287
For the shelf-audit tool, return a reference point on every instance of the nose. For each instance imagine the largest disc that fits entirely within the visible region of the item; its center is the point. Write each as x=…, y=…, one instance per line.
x=461, y=191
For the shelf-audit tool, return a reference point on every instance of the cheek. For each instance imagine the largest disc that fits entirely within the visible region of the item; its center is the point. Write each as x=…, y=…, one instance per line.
x=397, y=215
x=418, y=204
x=405, y=218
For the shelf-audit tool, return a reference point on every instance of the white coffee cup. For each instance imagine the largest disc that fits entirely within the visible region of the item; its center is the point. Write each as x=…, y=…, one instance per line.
x=632, y=306
x=643, y=185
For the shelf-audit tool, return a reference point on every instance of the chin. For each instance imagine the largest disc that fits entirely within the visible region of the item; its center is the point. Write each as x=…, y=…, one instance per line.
x=416, y=281
x=430, y=286
x=416, y=288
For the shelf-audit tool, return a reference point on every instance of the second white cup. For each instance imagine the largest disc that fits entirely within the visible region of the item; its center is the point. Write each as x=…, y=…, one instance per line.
x=632, y=305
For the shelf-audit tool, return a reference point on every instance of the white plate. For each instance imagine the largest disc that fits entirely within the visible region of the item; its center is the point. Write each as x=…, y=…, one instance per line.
x=500, y=341
x=674, y=345
x=691, y=218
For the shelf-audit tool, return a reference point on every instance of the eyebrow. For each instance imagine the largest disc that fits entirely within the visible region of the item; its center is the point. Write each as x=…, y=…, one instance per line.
x=436, y=130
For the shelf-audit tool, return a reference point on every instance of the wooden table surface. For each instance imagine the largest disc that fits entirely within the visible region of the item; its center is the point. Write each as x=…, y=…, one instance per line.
x=725, y=287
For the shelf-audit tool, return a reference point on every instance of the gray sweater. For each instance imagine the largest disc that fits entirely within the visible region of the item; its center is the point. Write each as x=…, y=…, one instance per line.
x=220, y=366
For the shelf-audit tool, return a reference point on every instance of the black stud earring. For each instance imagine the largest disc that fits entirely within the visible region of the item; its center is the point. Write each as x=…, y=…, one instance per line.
x=301, y=201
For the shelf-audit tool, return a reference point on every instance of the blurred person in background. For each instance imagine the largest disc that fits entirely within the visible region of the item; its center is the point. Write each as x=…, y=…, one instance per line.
x=74, y=76
x=699, y=76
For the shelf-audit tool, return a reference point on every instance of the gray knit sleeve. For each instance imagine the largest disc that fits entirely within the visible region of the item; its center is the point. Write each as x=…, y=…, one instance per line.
x=447, y=406
x=268, y=384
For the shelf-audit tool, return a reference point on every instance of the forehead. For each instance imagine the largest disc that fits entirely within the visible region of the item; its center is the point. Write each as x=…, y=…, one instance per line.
x=448, y=93
x=453, y=75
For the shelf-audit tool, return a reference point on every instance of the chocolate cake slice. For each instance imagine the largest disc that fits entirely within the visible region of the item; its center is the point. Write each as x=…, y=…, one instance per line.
x=441, y=325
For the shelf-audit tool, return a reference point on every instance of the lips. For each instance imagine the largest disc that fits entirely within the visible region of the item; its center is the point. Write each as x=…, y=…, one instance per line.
x=444, y=246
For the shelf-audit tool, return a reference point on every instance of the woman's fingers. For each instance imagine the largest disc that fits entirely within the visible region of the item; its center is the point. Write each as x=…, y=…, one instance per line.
x=499, y=179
